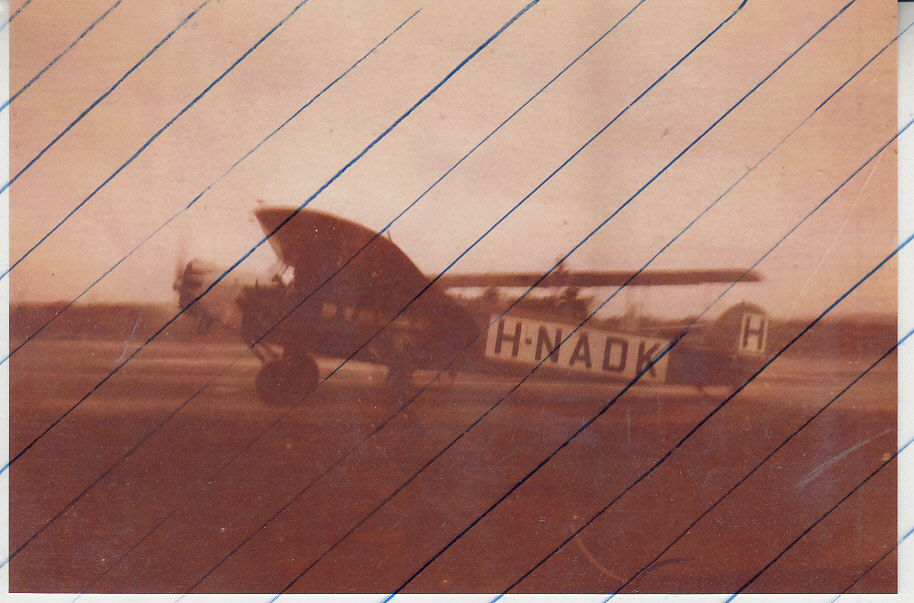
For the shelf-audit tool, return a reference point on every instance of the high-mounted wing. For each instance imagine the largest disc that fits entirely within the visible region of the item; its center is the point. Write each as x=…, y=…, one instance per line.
x=599, y=278
x=314, y=241
x=316, y=245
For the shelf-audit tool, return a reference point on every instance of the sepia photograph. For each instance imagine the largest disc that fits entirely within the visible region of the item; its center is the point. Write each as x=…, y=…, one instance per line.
x=339, y=297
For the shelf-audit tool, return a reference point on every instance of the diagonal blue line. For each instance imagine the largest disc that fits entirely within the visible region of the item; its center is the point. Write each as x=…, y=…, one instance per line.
x=162, y=226
x=874, y=564
x=161, y=423
x=158, y=133
x=758, y=466
x=729, y=397
x=15, y=14
x=686, y=228
x=409, y=111
x=556, y=171
x=660, y=356
x=442, y=273
x=86, y=111
x=338, y=270
x=307, y=201
x=296, y=114
x=715, y=30
x=185, y=403
x=270, y=234
x=60, y=56
x=685, y=331
x=882, y=466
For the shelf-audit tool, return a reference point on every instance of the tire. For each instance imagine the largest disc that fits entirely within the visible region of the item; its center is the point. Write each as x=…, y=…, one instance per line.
x=287, y=381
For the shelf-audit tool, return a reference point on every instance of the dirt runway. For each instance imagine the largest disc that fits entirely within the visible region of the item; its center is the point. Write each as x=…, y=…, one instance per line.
x=351, y=491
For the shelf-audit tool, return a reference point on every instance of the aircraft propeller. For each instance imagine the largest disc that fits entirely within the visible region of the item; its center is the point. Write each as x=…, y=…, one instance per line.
x=183, y=269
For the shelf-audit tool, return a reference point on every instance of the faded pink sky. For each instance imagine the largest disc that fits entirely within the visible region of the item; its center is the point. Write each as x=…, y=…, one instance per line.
x=813, y=267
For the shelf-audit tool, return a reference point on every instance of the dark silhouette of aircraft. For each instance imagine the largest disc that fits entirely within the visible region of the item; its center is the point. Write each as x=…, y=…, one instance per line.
x=352, y=293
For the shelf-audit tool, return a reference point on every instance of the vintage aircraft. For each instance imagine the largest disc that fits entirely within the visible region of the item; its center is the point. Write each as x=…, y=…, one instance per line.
x=352, y=293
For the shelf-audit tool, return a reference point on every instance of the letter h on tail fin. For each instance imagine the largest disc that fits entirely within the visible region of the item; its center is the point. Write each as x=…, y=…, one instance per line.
x=753, y=333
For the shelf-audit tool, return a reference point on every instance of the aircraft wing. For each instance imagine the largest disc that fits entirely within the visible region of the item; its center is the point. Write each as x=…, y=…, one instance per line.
x=318, y=244
x=311, y=240
x=601, y=278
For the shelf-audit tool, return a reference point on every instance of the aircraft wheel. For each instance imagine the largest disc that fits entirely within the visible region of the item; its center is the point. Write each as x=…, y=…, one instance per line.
x=284, y=382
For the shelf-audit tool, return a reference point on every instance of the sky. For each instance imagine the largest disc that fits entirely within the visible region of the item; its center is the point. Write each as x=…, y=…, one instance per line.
x=817, y=262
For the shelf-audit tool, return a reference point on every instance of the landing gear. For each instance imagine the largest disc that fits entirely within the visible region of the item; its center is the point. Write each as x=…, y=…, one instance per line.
x=288, y=379
x=398, y=352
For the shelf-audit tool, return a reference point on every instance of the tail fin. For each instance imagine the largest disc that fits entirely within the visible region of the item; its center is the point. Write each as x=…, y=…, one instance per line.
x=743, y=329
